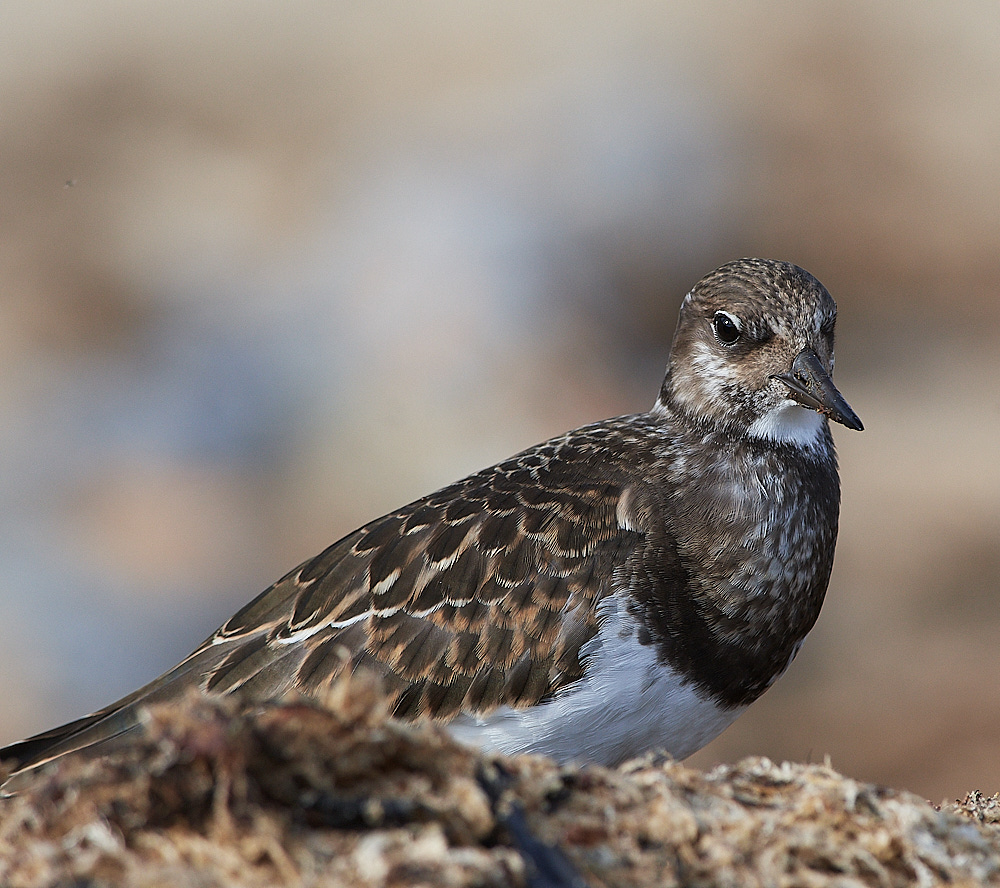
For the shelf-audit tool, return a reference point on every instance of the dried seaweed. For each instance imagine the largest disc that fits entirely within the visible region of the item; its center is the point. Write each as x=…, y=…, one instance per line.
x=295, y=794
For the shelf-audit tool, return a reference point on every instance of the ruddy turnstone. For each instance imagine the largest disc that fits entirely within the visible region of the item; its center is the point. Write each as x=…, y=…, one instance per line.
x=633, y=584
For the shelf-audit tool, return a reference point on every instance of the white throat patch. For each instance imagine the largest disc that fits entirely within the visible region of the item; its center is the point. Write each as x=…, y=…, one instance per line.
x=789, y=423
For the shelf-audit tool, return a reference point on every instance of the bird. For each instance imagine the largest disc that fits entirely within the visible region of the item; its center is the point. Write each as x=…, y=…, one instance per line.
x=634, y=584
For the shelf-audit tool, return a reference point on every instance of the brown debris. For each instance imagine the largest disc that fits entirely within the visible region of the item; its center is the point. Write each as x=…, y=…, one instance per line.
x=981, y=808
x=294, y=794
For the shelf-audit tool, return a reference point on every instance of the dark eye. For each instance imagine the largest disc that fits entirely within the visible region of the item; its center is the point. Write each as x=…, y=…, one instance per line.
x=726, y=327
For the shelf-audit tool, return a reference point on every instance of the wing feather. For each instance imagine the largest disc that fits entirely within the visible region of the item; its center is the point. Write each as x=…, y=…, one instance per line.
x=480, y=595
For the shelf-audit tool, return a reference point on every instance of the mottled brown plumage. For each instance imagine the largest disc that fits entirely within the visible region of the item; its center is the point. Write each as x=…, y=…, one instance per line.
x=712, y=519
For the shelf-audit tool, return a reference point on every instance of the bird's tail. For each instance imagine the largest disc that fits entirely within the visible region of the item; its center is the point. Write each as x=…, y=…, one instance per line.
x=98, y=732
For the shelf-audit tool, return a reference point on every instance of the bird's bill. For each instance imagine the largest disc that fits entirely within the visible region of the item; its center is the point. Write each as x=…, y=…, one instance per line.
x=810, y=385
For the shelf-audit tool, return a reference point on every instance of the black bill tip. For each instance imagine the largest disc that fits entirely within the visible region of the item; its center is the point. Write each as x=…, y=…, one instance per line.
x=810, y=385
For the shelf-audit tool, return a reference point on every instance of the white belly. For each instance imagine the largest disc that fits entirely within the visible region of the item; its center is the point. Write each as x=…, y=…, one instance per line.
x=626, y=704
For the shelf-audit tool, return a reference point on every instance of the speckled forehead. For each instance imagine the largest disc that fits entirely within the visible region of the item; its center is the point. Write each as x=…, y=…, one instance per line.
x=781, y=297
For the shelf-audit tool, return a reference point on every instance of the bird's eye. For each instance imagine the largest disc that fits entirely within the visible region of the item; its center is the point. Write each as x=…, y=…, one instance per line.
x=726, y=327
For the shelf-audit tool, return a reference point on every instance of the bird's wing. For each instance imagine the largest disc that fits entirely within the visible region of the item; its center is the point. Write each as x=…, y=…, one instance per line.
x=476, y=596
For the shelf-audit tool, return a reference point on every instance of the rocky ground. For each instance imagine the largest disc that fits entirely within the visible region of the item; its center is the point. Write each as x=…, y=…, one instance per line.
x=296, y=794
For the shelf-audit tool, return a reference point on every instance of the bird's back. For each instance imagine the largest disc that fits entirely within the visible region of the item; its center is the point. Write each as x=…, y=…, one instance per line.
x=479, y=595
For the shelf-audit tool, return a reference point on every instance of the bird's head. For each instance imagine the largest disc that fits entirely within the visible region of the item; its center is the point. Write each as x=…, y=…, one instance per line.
x=753, y=352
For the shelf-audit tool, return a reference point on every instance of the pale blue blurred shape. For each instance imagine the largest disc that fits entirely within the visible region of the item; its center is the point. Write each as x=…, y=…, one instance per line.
x=451, y=254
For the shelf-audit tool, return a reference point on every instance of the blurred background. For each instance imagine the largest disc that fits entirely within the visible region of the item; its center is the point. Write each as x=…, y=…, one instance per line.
x=270, y=270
